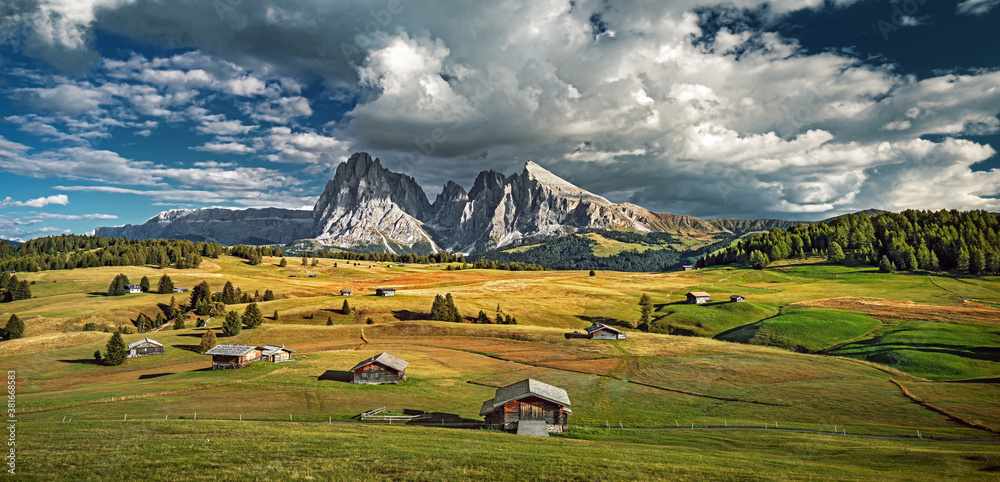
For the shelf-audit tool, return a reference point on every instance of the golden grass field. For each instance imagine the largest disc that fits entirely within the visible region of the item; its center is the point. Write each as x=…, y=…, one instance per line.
x=647, y=380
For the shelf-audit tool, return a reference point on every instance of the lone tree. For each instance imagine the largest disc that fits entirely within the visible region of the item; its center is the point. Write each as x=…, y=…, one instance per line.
x=115, y=351
x=592, y=273
x=229, y=294
x=283, y=263
x=835, y=254
x=200, y=294
x=275, y=317
x=329, y=321
x=165, y=286
x=453, y=315
x=438, y=308
x=645, y=309
x=252, y=317
x=143, y=323
x=346, y=309
x=144, y=284
x=14, y=328
x=483, y=319
x=117, y=287
x=233, y=325
x=886, y=266
x=179, y=321
x=207, y=341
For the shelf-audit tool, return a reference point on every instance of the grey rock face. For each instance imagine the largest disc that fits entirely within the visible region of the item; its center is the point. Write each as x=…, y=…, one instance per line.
x=226, y=226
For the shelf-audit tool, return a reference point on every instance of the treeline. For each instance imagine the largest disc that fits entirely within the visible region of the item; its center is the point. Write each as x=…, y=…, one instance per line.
x=13, y=289
x=253, y=254
x=577, y=252
x=967, y=242
x=435, y=258
x=70, y=251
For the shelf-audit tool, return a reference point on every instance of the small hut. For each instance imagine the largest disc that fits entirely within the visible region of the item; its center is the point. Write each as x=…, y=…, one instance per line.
x=379, y=370
x=698, y=297
x=737, y=298
x=133, y=288
x=600, y=331
x=144, y=347
x=687, y=267
x=276, y=354
x=528, y=407
x=234, y=356
x=385, y=292
x=346, y=292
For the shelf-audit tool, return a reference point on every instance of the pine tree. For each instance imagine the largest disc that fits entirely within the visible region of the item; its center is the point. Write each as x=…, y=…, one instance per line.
x=201, y=293
x=159, y=320
x=252, y=317
x=886, y=266
x=315, y=262
x=172, y=309
x=911, y=260
x=452, y=314
x=934, y=264
x=117, y=287
x=232, y=326
x=283, y=263
x=645, y=309
x=483, y=319
x=962, y=262
x=268, y=295
x=369, y=321
x=592, y=273
x=229, y=293
x=166, y=285
x=4, y=280
x=207, y=341
x=346, y=309
x=835, y=253
x=511, y=320
x=438, y=309
x=499, y=315
x=329, y=321
x=179, y=321
x=143, y=323
x=115, y=351
x=97, y=355
x=275, y=317
x=977, y=261
x=14, y=328
x=759, y=260
x=144, y=284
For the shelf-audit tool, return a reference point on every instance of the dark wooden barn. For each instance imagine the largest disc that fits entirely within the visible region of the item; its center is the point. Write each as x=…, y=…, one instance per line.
x=737, y=298
x=276, y=354
x=144, y=347
x=600, y=331
x=385, y=292
x=528, y=407
x=379, y=370
x=234, y=356
x=698, y=297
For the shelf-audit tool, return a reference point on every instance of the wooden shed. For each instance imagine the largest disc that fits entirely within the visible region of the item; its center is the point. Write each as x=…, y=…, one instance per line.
x=600, y=331
x=276, y=354
x=698, y=297
x=144, y=347
x=234, y=356
x=346, y=292
x=737, y=298
x=687, y=267
x=379, y=370
x=528, y=407
x=385, y=292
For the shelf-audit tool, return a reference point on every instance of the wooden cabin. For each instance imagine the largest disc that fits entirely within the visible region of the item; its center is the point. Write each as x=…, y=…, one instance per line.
x=234, y=356
x=687, y=267
x=346, y=292
x=698, y=297
x=528, y=407
x=144, y=347
x=276, y=354
x=385, y=292
x=737, y=298
x=133, y=288
x=379, y=370
x=600, y=331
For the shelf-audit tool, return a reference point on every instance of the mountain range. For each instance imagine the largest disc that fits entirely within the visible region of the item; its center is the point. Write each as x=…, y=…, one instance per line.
x=366, y=207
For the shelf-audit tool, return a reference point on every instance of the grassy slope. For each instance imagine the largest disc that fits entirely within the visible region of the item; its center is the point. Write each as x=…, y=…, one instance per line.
x=811, y=329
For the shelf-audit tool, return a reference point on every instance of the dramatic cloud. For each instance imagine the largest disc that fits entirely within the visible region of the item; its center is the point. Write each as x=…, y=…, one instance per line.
x=977, y=7
x=37, y=202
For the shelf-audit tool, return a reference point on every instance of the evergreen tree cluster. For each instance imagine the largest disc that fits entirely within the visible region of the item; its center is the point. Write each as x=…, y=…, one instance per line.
x=967, y=242
x=577, y=252
x=443, y=309
x=70, y=251
x=13, y=330
x=117, y=287
x=13, y=288
x=253, y=254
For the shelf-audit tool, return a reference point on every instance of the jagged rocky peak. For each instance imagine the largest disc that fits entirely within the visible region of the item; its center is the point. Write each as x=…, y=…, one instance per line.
x=362, y=179
x=556, y=185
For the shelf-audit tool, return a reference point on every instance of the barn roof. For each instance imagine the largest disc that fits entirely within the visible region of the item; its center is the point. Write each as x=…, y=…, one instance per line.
x=602, y=326
x=232, y=350
x=700, y=294
x=386, y=289
x=384, y=359
x=271, y=349
x=144, y=340
x=524, y=388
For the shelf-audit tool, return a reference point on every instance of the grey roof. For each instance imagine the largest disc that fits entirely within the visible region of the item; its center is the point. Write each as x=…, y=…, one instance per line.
x=345, y=290
x=524, y=388
x=384, y=359
x=386, y=289
x=144, y=340
x=700, y=294
x=737, y=296
x=602, y=326
x=232, y=350
x=133, y=286
x=271, y=349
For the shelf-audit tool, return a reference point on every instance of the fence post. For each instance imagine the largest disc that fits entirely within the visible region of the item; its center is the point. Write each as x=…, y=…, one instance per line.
x=726, y=422
x=126, y=416
x=196, y=415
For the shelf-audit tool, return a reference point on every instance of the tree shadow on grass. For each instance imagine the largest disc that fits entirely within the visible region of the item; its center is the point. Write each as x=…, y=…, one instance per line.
x=407, y=315
x=84, y=361
x=149, y=376
x=604, y=320
x=336, y=376
x=193, y=348
x=440, y=419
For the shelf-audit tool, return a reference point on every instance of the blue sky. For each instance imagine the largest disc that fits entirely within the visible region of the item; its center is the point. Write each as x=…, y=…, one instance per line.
x=115, y=110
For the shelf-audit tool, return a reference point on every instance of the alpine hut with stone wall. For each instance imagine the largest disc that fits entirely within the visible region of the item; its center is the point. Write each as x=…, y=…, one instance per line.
x=380, y=369
x=234, y=356
x=528, y=407
x=144, y=347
